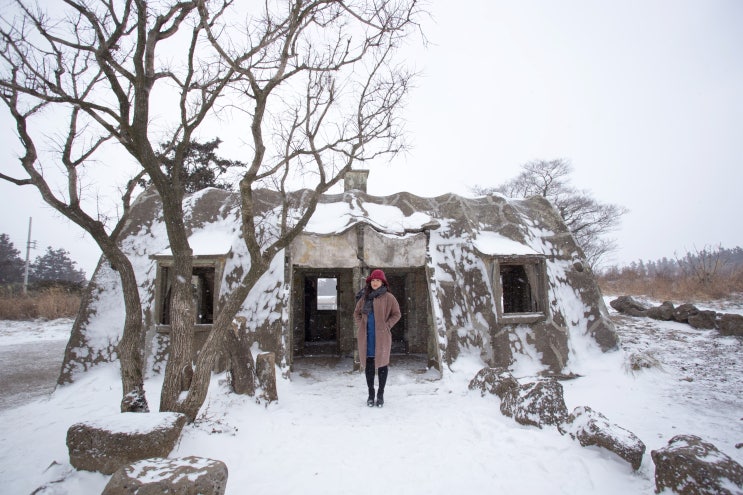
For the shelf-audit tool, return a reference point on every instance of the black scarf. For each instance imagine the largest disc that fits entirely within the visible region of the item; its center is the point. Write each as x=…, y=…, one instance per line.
x=370, y=296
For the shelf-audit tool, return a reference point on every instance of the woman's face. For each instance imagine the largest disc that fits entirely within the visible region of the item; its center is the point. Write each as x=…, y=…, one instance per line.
x=375, y=283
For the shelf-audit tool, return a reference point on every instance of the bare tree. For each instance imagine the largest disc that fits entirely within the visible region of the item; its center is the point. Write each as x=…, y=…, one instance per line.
x=313, y=81
x=130, y=347
x=325, y=96
x=588, y=220
x=704, y=266
x=97, y=61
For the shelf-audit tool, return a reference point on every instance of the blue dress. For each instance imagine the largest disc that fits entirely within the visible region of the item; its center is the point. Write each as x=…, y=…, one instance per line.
x=370, y=335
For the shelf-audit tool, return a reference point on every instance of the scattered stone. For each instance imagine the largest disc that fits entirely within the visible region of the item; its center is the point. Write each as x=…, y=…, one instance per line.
x=536, y=404
x=688, y=465
x=591, y=427
x=681, y=314
x=664, y=312
x=642, y=360
x=731, y=324
x=182, y=476
x=703, y=320
x=628, y=306
x=106, y=445
x=496, y=381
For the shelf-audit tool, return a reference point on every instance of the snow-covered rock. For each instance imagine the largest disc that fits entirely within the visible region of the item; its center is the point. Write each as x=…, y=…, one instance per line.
x=591, y=427
x=185, y=476
x=690, y=466
x=104, y=445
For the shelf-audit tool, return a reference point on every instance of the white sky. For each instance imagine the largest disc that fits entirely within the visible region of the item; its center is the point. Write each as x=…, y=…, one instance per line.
x=642, y=97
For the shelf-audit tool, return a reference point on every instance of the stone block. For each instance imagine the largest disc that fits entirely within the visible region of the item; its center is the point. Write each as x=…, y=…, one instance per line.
x=180, y=476
x=107, y=444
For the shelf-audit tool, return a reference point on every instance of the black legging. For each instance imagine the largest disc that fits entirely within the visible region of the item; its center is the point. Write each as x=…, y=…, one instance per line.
x=382, y=372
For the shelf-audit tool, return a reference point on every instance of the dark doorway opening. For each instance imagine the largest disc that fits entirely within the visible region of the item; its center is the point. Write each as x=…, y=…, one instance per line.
x=398, y=288
x=318, y=319
x=320, y=311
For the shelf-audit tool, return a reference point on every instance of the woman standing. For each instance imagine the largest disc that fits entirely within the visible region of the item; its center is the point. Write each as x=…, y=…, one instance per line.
x=376, y=313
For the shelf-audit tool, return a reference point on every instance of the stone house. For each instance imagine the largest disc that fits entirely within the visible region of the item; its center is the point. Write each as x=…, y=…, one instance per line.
x=499, y=277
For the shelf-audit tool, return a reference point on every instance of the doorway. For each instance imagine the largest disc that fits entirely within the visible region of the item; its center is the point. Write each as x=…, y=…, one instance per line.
x=320, y=314
x=397, y=287
x=323, y=304
x=319, y=324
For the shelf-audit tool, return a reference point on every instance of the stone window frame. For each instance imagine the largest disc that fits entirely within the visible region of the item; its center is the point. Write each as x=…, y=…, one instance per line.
x=164, y=263
x=536, y=271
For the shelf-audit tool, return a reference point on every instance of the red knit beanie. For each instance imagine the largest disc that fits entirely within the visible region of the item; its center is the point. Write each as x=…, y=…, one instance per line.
x=379, y=275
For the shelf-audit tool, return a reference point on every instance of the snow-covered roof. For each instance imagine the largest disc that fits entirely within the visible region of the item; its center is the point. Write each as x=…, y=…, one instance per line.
x=492, y=243
x=333, y=218
x=207, y=242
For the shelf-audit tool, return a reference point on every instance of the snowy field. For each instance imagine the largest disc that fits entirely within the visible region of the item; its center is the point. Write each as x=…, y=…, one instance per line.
x=432, y=437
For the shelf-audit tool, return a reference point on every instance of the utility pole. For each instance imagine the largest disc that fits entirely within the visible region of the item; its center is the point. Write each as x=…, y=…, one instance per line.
x=29, y=245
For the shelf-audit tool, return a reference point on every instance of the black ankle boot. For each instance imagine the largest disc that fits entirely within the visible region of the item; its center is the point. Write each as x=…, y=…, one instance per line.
x=370, y=400
x=380, y=398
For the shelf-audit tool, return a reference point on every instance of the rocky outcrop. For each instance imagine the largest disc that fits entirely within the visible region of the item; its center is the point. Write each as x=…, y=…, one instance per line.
x=731, y=324
x=682, y=313
x=183, y=476
x=542, y=403
x=496, y=381
x=536, y=404
x=703, y=320
x=727, y=324
x=664, y=312
x=629, y=306
x=107, y=445
x=591, y=427
x=690, y=466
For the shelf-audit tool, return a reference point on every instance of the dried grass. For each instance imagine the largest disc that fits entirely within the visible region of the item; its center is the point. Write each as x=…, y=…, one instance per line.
x=673, y=289
x=49, y=304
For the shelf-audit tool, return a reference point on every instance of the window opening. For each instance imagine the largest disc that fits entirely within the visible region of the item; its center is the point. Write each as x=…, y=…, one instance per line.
x=520, y=288
x=202, y=285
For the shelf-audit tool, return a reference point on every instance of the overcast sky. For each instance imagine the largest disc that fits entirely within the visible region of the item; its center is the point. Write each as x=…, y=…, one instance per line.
x=644, y=98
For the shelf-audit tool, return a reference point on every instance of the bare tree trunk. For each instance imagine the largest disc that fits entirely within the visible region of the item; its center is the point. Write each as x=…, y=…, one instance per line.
x=131, y=345
x=178, y=370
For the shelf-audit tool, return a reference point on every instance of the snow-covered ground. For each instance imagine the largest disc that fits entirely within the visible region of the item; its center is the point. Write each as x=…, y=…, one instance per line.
x=432, y=436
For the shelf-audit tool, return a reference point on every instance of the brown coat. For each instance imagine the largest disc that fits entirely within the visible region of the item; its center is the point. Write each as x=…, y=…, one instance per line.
x=386, y=314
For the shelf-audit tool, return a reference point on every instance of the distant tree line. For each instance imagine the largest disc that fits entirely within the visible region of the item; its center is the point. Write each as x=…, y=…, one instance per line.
x=712, y=271
x=53, y=268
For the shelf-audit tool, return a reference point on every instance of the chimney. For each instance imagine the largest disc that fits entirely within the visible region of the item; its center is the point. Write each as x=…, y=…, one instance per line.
x=355, y=179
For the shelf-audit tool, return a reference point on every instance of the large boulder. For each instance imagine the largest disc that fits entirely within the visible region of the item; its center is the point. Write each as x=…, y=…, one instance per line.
x=664, y=312
x=682, y=313
x=628, y=306
x=690, y=466
x=182, y=476
x=537, y=403
x=108, y=444
x=591, y=427
x=496, y=381
x=731, y=324
x=703, y=320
